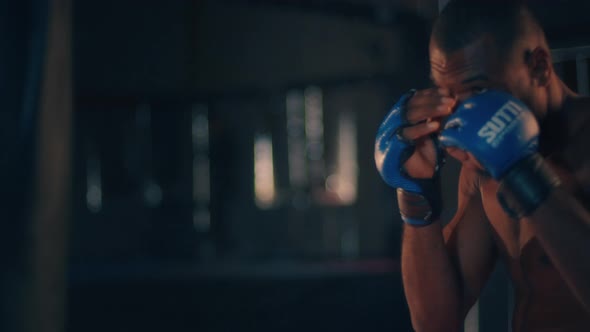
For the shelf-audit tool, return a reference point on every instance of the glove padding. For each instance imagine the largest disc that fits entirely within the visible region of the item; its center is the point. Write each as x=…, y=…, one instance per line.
x=503, y=135
x=419, y=199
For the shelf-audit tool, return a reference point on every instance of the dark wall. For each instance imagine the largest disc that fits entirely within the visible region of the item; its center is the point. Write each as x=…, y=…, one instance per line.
x=127, y=47
x=142, y=258
x=239, y=61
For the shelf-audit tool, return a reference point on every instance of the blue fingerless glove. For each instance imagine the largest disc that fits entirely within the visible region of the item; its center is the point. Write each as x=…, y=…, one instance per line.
x=419, y=200
x=503, y=135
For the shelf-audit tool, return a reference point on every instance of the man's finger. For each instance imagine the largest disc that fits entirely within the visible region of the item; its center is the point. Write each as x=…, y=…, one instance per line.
x=420, y=130
x=427, y=111
x=444, y=92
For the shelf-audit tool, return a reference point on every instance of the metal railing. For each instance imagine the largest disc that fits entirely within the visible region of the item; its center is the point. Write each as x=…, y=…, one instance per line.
x=580, y=54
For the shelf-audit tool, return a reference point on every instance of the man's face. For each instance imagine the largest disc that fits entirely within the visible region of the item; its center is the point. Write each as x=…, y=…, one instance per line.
x=473, y=68
x=477, y=66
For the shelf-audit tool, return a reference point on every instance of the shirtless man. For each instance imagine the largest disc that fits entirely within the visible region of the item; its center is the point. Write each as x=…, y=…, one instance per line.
x=542, y=231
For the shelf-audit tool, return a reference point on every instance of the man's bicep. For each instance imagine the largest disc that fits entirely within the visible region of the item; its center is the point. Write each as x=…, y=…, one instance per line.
x=470, y=242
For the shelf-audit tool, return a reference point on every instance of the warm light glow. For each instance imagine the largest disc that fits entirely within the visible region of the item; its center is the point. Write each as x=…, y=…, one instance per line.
x=295, y=108
x=314, y=123
x=314, y=134
x=264, y=181
x=344, y=181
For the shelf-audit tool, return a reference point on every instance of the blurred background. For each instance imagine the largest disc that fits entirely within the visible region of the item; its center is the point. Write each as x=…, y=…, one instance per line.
x=208, y=165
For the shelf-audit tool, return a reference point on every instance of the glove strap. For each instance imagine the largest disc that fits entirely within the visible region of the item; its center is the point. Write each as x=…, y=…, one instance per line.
x=420, y=209
x=526, y=186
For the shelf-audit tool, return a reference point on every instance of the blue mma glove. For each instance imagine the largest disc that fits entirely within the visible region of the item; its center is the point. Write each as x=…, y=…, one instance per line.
x=419, y=200
x=503, y=135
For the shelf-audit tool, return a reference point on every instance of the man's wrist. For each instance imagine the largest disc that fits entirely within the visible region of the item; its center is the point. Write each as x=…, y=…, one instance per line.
x=416, y=209
x=526, y=185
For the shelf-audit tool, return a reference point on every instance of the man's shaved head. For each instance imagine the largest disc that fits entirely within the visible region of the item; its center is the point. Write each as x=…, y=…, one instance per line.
x=464, y=21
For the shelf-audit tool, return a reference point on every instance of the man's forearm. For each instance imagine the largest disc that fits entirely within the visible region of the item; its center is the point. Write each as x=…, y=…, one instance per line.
x=430, y=280
x=562, y=226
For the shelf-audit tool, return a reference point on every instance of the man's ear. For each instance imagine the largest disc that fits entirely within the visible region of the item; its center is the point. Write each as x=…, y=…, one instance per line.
x=540, y=67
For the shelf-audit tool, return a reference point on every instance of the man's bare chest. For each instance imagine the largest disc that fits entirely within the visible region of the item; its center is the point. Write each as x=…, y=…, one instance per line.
x=539, y=287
